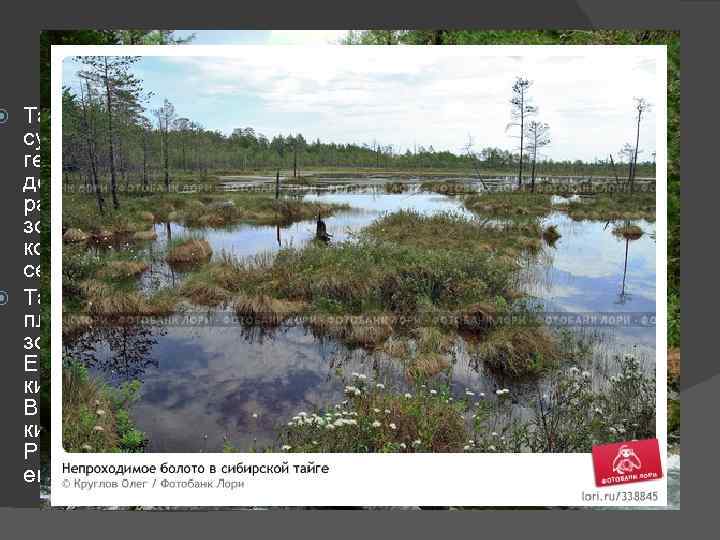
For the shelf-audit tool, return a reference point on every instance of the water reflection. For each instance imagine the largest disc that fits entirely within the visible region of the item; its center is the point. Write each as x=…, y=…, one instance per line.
x=205, y=385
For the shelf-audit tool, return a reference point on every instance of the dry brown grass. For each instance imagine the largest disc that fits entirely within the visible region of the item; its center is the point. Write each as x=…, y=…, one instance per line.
x=265, y=311
x=368, y=332
x=628, y=231
x=115, y=270
x=204, y=294
x=104, y=301
x=517, y=351
x=191, y=251
x=427, y=365
x=551, y=234
x=145, y=235
x=74, y=235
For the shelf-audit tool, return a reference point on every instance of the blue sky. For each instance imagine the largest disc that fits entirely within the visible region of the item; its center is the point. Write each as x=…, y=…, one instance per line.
x=401, y=95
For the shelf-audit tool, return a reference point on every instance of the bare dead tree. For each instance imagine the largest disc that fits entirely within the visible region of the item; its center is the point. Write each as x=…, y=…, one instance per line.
x=522, y=108
x=538, y=135
x=642, y=106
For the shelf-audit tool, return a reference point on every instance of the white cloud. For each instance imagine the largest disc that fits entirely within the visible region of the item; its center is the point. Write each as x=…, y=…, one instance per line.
x=407, y=95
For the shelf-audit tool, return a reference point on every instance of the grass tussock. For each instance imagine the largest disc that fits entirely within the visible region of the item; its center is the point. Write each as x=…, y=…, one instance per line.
x=363, y=331
x=450, y=231
x=139, y=210
x=517, y=351
x=202, y=294
x=104, y=301
x=612, y=207
x=189, y=251
x=408, y=283
x=509, y=203
x=117, y=270
x=628, y=231
x=262, y=310
x=222, y=211
x=74, y=235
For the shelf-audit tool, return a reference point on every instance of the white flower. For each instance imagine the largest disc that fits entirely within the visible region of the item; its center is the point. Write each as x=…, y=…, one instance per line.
x=387, y=411
x=290, y=424
x=376, y=424
x=254, y=415
x=466, y=447
x=376, y=410
x=402, y=445
x=362, y=377
x=315, y=442
x=408, y=396
x=302, y=414
x=329, y=426
x=381, y=386
x=494, y=434
x=100, y=412
x=482, y=394
x=355, y=374
x=471, y=441
x=433, y=392
x=492, y=448
x=393, y=426
x=286, y=447
x=340, y=422
x=417, y=442
x=357, y=392
x=87, y=447
x=469, y=393
x=498, y=392
x=586, y=374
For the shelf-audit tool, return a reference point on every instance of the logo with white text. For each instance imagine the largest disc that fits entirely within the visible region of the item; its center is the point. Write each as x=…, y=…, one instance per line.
x=626, y=462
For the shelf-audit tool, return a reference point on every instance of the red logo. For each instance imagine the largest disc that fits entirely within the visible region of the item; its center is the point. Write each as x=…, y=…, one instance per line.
x=627, y=462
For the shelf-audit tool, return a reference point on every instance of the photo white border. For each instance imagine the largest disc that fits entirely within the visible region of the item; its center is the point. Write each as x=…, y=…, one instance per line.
x=524, y=479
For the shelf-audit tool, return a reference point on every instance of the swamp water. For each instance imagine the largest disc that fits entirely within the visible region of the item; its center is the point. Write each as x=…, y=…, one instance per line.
x=207, y=383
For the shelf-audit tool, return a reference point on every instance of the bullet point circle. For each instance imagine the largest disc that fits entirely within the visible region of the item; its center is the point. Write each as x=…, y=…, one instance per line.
x=3, y=116
x=3, y=298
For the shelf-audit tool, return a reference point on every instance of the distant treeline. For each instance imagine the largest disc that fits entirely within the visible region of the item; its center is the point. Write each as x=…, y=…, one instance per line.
x=146, y=146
